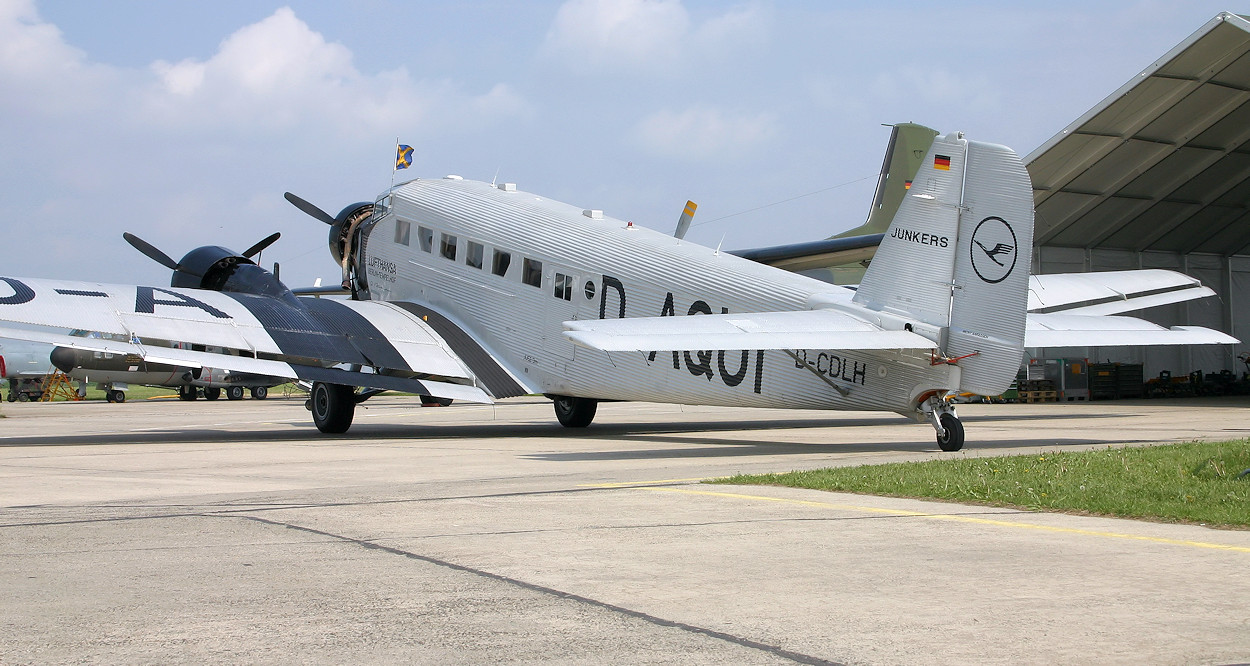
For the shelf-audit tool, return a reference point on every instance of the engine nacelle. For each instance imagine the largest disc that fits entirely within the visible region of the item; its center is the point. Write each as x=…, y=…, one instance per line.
x=219, y=269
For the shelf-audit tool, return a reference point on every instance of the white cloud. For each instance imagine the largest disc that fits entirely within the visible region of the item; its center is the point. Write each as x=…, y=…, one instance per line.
x=594, y=33
x=651, y=36
x=175, y=150
x=39, y=71
x=746, y=26
x=274, y=75
x=703, y=134
x=280, y=74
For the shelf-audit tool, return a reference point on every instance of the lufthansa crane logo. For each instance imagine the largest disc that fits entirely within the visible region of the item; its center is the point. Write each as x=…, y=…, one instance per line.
x=993, y=250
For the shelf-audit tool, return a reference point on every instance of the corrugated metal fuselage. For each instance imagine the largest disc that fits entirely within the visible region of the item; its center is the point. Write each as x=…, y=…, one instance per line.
x=596, y=267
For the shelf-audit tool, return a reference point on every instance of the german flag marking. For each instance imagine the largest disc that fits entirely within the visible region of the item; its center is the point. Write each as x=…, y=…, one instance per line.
x=942, y=162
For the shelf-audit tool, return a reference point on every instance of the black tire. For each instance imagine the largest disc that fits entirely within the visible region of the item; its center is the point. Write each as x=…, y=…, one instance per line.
x=234, y=393
x=953, y=439
x=12, y=396
x=333, y=406
x=108, y=396
x=212, y=393
x=575, y=412
x=187, y=393
x=260, y=392
x=23, y=397
x=117, y=396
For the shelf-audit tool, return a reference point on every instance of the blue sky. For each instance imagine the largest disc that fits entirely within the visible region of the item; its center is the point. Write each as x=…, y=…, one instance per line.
x=184, y=122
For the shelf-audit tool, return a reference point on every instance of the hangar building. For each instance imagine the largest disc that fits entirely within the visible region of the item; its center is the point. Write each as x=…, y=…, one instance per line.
x=1157, y=175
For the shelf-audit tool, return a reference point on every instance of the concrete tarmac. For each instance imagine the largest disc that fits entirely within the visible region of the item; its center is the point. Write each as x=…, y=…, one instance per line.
x=172, y=532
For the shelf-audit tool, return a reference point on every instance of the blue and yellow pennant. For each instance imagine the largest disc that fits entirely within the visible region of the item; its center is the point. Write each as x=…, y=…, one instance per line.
x=403, y=157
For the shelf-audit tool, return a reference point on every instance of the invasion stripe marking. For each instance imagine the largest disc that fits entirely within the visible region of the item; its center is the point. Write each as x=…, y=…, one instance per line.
x=497, y=380
x=322, y=330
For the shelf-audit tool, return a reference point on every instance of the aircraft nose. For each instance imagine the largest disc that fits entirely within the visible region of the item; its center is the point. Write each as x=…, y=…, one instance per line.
x=63, y=358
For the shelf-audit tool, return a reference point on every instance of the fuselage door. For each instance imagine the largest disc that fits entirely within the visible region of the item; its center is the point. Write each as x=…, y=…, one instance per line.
x=570, y=295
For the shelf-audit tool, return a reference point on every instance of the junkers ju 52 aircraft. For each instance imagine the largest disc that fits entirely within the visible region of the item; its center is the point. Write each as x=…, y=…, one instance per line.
x=474, y=291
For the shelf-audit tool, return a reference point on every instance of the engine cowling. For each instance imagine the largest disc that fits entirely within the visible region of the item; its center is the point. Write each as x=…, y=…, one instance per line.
x=220, y=269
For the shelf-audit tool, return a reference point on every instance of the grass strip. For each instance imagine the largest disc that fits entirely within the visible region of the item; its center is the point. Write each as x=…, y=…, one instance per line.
x=1194, y=482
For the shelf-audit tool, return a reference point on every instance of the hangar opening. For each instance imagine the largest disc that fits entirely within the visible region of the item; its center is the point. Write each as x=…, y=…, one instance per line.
x=1157, y=175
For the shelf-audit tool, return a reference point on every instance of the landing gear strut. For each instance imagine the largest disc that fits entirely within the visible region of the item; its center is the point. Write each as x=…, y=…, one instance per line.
x=574, y=412
x=950, y=430
x=333, y=406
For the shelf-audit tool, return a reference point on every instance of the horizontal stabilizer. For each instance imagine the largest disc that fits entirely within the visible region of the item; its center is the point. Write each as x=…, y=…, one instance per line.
x=1068, y=330
x=809, y=329
x=1111, y=292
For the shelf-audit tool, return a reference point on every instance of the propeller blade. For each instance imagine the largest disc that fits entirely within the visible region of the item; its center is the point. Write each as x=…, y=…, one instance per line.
x=257, y=248
x=309, y=208
x=151, y=251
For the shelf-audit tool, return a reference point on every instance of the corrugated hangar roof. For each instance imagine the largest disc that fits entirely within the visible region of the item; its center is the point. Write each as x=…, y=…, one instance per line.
x=1163, y=163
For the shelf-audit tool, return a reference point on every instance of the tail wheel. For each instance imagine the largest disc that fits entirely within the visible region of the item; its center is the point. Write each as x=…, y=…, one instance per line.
x=952, y=437
x=234, y=393
x=333, y=406
x=575, y=412
x=260, y=392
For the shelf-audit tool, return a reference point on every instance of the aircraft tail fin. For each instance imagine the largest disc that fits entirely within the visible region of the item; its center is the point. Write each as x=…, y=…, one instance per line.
x=957, y=256
x=909, y=143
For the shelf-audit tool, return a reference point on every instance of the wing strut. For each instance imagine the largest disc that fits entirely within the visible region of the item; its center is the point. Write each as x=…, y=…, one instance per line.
x=814, y=371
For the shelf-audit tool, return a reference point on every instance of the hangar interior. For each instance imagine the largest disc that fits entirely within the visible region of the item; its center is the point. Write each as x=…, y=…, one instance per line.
x=1157, y=175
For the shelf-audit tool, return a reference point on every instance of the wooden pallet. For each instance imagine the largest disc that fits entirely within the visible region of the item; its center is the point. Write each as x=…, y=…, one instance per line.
x=1038, y=396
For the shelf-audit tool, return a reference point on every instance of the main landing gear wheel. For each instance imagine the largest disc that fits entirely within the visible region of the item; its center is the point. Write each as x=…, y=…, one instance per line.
x=575, y=412
x=234, y=393
x=116, y=395
x=333, y=406
x=212, y=393
x=260, y=392
x=952, y=437
x=187, y=393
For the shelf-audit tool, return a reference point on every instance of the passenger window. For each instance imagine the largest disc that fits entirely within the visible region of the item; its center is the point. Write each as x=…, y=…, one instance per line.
x=500, y=264
x=473, y=254
x=564, y=286
x=403, y=232
x=448, y=248
x=427, y=238
x=532, y=272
